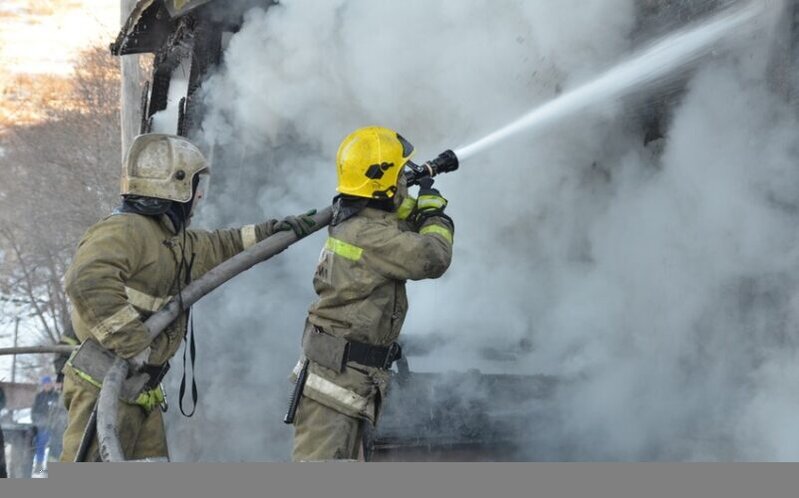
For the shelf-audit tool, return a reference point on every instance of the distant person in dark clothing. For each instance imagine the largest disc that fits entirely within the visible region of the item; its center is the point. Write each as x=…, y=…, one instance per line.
x=44, y=405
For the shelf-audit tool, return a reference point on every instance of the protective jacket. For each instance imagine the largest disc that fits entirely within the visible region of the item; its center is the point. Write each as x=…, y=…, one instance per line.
x=360, y=281
x=128, y=266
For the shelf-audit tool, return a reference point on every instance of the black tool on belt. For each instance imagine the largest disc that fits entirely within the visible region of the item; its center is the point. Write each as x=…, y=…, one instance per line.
x=296, y=393
x=372, y=356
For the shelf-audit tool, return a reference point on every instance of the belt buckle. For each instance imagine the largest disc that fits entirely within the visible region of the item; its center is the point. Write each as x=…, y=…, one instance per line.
x=391, y=356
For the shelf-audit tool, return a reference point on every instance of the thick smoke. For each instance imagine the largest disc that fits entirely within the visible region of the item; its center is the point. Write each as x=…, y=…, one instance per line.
x=657, y=282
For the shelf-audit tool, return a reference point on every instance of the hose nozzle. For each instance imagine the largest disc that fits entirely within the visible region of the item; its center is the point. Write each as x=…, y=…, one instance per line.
x=445, y=162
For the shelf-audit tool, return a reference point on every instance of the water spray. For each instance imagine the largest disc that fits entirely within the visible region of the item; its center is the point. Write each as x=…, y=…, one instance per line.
x=667, y=56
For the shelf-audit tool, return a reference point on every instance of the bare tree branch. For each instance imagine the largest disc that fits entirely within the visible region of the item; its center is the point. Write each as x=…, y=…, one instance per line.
x=59, y=174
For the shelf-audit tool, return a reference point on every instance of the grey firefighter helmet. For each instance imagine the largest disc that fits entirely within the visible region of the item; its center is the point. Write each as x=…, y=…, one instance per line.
x=162, y=166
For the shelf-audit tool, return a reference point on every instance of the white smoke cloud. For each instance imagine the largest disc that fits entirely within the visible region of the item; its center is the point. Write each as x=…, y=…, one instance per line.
x=694, y=267
x=659, y=287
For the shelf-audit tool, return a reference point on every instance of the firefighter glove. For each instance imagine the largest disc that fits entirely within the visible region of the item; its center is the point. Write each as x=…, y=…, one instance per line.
x=430, y=201
x=301, y=224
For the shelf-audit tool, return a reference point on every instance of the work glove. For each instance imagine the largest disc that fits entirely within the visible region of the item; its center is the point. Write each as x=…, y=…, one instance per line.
x=430, y=201
x=301, y=225
x=429, y=204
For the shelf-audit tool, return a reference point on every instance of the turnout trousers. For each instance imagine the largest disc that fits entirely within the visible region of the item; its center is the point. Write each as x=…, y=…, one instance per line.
x=141, y=433
x=321, y=433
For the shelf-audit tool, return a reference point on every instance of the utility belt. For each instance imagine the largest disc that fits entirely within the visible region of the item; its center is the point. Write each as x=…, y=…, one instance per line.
x=335, y=352
x=91, y=363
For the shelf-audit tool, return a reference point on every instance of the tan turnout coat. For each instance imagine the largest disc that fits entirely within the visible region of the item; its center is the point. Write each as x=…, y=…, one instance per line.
x=126, y=267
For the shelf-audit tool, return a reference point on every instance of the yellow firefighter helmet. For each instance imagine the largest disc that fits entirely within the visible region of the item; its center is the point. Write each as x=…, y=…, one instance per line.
x=162, y=166
x=370, y=161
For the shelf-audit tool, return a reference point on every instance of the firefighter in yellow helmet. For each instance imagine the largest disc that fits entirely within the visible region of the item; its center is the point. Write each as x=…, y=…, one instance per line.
x=129, y=265
x=378, y=239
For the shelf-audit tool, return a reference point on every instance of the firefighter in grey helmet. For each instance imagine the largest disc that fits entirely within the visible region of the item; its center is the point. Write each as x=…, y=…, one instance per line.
x=129, y=265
